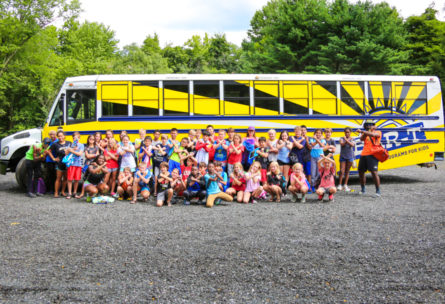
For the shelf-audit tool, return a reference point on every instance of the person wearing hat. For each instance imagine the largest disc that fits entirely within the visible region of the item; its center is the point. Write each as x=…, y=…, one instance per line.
x=33, y=162
x=250, y=142
x=370, y=136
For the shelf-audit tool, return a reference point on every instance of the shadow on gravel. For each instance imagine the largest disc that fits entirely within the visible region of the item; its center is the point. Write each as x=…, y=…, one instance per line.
x=387, y=179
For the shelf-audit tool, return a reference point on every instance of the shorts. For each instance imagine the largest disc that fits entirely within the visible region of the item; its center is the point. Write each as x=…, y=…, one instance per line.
x=74, y=173
x=342, y=159
x=368, y=163
x=61, y=167
x=326, y=189
x=111, y=170
x=124, y=186
x=162, y=196
x=283, y=163
x=263, y=176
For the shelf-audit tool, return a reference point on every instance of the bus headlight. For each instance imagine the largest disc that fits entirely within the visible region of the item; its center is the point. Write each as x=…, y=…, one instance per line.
x=5, y=150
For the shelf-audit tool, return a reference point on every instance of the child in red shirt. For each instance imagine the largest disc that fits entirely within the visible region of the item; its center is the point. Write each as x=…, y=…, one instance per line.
x=235, y=153
x=111, y=158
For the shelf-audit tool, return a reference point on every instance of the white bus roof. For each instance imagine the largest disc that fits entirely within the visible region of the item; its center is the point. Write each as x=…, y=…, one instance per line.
x=290, y=77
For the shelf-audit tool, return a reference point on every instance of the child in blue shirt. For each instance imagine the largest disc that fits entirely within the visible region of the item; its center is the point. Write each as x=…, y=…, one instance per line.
x=317, y=143
x=213, y=191
x=75, y=169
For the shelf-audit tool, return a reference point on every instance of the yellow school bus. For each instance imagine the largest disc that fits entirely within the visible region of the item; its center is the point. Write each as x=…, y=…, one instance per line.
x=407, y=109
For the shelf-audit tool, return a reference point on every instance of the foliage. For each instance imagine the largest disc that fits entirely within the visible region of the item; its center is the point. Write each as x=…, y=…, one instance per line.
x=286, y=36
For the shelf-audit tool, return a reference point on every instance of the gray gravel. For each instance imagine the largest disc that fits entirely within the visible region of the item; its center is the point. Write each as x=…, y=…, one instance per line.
x=356, y=250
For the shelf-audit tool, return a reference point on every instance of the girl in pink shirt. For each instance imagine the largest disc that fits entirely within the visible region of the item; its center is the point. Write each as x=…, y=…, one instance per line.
x=326, y=167
x=298, y=183
x=253, y=187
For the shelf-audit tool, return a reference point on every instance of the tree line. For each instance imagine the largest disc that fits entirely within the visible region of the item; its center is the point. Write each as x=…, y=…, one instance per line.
x=285, y=36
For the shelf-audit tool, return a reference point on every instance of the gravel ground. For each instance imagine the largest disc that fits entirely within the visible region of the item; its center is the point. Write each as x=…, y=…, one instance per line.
x=357, y=249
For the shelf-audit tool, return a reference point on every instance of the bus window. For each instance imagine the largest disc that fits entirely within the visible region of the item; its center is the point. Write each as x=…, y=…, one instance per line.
x=236, y=98
x=114, y=99
x=146, y=98
x=353, y=98
x=411, y=98
x=324, y=97
x=80, y=106
x=266, y=98
x=379, y=96
x=176, y=98
x=57, y=118
x=206, y=98
x=296, y=97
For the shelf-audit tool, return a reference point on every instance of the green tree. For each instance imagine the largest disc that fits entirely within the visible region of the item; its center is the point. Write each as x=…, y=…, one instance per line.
x=426, y=44
x=311, y=36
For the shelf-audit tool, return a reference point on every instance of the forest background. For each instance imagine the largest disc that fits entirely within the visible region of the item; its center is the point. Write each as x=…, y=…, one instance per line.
x=285, y=36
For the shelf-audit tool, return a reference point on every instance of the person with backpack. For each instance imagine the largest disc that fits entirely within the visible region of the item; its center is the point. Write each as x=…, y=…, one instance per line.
x=33, y=163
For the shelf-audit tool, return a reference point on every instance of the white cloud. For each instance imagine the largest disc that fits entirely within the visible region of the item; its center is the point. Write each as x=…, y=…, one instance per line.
x=176, y=21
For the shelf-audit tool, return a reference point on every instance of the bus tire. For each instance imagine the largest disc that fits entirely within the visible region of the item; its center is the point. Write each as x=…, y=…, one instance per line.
x=20, y=173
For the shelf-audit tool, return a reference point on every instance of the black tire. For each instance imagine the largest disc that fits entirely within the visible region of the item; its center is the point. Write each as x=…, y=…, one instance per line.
x=20, y=173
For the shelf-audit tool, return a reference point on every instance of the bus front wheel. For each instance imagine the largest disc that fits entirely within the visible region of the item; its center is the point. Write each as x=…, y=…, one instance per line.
x=20, y=173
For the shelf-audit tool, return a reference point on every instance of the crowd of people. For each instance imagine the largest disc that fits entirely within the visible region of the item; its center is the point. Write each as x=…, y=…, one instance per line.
x=204, y=167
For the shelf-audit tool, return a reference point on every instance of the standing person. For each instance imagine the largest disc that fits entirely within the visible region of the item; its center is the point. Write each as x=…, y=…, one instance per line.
x=272, y=145
x=230, y=135
x=50, y=164
x=263, y=159
x=347, y=156
x=58, y=151
x=371, y=137
x=235, y=153
x=298, y=143
x=138, y=141
x=98, y=137
x=306, y=156
x=203, y=148
x=33, y=163
x=126, y=151
x=221, y=145
x=111, y=157
x=109, y=134
x=330, y=142
x=250, y=142
x=175, y=158
x=172, y=143
x=284, y=146
x=318, y=143
x=91, y=152
x=213, y=191
x=74, y=172
x=156, y=137
x=146, y=152
x=211, y=131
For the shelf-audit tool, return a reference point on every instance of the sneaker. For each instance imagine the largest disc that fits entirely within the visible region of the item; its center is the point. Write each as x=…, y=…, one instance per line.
x=340, y=187
x=377, y=193
x=186, y=202
x=217, y=201
x=320, y=197
x=362, y=192
x=39, y=194
x=254, y=202
x=294, y=198
x=120, y=198
x=331, y=197
x=89, y=199
x=303, y=198
x=115, y=195
x=30, y=194
x=347, y=189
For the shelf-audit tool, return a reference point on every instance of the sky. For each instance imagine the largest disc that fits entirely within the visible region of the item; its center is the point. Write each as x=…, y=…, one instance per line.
x=176, y=21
